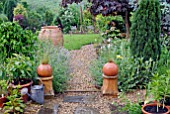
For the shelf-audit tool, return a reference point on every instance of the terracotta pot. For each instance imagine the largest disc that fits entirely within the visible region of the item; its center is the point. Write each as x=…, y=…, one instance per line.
x=25, y=98
x=110, y=69
x=2, y=101
x=168, y=107
x=28, y=86
x=52, y=33
x=153, y=104
x=44, y=70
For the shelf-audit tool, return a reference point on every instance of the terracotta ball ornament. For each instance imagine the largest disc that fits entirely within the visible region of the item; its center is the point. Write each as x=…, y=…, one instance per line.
x=110, y=69
x=44, y=70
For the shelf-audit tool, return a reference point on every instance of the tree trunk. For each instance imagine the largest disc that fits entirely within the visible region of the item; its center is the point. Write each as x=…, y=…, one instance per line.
x=127, y=23
x=94, y=23
x=81, y=19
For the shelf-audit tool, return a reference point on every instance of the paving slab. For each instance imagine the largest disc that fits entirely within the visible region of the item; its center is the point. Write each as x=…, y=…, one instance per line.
x=86, y=110
x=79, y=99
x=45, y=110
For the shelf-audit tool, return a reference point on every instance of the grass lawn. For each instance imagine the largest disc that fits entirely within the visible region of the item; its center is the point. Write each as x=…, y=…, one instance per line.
x=76, y=41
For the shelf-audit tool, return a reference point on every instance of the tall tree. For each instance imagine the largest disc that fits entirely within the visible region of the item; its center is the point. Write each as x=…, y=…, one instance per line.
x=9, y=7
x=109, y=7
x=145, y=30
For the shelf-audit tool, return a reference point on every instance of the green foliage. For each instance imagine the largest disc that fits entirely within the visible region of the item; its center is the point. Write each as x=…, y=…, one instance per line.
x=129, y=106
x=59, y=60
x=8, y=8
x=47, y=15
x=2, y=69
x=96, y=71
x=34, y=21
x=24, y=3
x=159, y=87
x=19, y=9
x=19, y=67
x=69, y=17
x=15, y=104
x=145, y=34
x=1, y=7
x=133, y=72
x=103, y=21
x=16, y=40
x=53, y=5
x=3, y=18
x=3, y=87
x=87, y=18
x=76, y=41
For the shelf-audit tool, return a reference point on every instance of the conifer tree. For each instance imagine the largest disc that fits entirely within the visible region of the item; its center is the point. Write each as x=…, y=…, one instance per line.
x=9, y=7
x=145, y=30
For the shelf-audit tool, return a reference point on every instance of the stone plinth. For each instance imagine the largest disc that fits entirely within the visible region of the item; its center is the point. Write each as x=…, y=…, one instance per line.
x=48, y=86
x=110, y=85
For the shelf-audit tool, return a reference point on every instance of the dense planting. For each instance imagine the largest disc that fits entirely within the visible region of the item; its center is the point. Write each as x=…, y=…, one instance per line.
x=15, y=40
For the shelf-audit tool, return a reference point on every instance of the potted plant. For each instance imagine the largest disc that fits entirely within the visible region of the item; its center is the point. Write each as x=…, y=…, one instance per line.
x=3, y=92
x=166, y=98
x=15, y=103
x=158, y=88
x=19, y=70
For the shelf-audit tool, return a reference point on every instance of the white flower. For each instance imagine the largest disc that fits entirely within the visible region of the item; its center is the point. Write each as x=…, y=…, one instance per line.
x=109, y=40
x=109, y=45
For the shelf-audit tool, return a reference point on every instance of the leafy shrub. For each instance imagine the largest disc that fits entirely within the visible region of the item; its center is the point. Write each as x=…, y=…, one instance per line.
x=22, y=21
x=20, y=10
x=129, y=107
x=47, y=15
x=58, y=59
x=15, y=40
x=19, y=67
x=133, y=73
x=103, y=21
x=87, y=18
x=35, y=21
x=96, y=71
x=3, y=18
x=69, y=17
x=164, y=62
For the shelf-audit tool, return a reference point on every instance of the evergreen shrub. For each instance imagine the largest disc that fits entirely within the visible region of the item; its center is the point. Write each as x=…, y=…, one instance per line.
x=145, y=30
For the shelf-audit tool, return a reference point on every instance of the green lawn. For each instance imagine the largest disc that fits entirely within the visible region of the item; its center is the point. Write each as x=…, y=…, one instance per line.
x=76, y=41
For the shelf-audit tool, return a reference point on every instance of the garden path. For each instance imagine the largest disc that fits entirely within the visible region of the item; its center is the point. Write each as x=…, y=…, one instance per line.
x=81, y=80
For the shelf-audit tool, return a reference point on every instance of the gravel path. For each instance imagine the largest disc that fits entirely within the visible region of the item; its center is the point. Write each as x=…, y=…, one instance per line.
x=80, y=62
x=81, y=80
